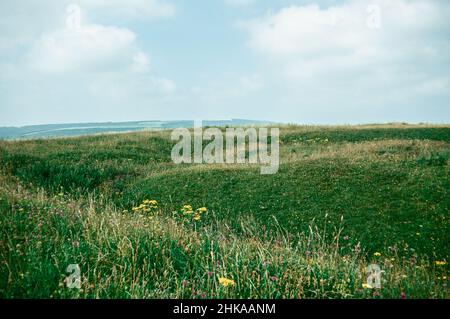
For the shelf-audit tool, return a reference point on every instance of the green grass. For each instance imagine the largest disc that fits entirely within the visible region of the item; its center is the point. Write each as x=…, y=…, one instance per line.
x=341, y=194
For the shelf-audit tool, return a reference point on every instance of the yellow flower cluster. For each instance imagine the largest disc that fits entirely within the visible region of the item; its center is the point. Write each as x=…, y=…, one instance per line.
x=226, y=282
x=146, y=206
x=440, y=263
x=197, y=215
x=187, y=209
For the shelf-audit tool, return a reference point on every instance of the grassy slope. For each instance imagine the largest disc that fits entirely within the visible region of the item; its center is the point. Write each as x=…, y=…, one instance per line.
x=384, y=186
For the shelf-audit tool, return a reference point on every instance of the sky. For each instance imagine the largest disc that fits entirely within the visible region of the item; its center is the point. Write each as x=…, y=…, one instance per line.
x=309, y=62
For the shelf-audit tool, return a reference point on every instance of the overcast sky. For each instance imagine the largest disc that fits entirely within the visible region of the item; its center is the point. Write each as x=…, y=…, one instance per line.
x=291, y=61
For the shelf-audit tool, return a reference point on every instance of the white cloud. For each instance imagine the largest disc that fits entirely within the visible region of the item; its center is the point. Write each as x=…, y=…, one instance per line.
x=73, y=44
x=23, y=20
x=107, y=57
x=336, y=46
x=88, y=48
x=141, y=63
x=57, y=65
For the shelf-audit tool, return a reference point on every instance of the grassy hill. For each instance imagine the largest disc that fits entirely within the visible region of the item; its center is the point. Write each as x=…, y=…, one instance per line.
x=344, y=197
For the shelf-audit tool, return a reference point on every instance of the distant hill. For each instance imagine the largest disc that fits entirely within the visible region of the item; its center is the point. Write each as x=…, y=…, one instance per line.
x=79, y=129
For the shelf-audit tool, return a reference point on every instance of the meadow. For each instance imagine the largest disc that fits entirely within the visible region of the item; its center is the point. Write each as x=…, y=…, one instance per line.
x=140, y=226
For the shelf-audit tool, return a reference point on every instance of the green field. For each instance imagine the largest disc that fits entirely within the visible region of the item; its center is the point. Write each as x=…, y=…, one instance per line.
x=344, y=197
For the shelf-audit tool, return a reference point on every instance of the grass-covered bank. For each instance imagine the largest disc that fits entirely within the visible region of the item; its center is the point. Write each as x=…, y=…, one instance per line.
x=343, y=198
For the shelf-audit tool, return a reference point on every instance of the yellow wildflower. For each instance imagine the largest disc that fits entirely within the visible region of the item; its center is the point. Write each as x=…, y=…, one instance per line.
x=366, y=286
x=187, y=209
x=226, y=282
x=440, y=263
x=150, y=202
x=197, y=217
x=146, y=206
x=202, y=210
x=377, y=254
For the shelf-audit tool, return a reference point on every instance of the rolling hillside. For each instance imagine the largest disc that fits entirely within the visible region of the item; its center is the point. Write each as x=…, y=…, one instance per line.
x=344, y=197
